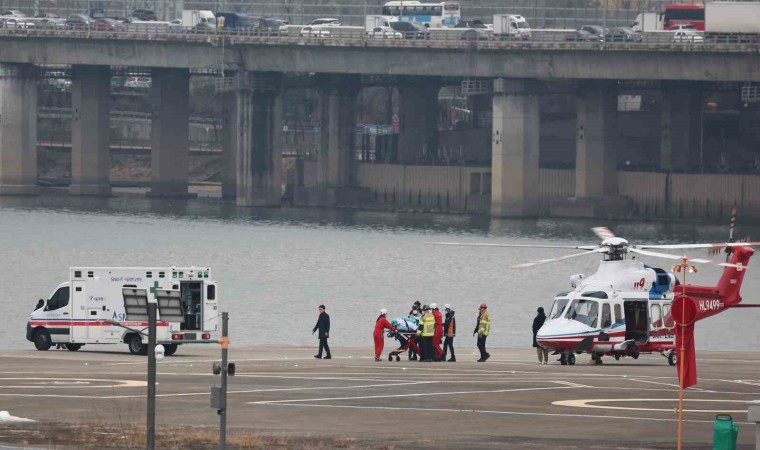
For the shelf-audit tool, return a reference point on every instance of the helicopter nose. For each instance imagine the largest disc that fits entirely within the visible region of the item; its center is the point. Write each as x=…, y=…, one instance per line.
x=562, y=333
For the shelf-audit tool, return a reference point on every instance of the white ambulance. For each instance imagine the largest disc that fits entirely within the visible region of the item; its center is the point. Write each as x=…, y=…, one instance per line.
x=85, y=309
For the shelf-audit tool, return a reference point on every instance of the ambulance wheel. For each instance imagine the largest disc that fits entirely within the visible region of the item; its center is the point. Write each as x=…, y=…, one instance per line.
x=571, y=359
x=42, y=340
x=73, y=347
x=563, y=359
x=170, y=349
x=136, y=347
x=672, y=358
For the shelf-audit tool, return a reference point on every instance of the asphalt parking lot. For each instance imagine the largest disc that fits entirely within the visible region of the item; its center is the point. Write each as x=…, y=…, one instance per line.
x=508, y=401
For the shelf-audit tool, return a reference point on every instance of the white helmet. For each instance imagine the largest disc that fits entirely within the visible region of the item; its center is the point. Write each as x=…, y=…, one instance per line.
x=446, y=306
x=383, y=311
x=433, y=306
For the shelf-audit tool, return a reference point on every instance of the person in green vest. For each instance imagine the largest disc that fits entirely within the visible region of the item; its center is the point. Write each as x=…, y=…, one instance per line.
x=426, y=330
x=482, y=329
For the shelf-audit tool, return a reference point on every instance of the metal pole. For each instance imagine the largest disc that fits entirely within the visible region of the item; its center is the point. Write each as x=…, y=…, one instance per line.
x=701, y=132
x=150, y=438
x=223, y=409
x=606, y=6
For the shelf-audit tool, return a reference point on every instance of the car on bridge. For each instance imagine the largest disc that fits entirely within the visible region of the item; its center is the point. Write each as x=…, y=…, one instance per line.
x=144, y=14
x=622, y=34
x=471, y=23
x=314, y=31
x=384, y=33
x=270, y=25
x=325, y=22
x=107, y=24
x=13, y=13
x=410, y=30
x=78, y=22
x=588, y=33
x=691, y=36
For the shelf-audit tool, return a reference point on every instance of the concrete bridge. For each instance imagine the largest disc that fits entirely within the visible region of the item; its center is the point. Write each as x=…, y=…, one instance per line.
x=256, y=67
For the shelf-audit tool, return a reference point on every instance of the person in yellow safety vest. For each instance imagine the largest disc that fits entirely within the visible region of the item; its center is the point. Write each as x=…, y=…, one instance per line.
x=482, y=329
x=426, y=330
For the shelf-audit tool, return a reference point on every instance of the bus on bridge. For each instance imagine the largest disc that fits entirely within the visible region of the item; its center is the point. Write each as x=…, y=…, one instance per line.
x=431, y=15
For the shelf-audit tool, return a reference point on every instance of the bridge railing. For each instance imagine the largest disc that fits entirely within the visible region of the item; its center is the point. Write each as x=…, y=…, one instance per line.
x=353, y=36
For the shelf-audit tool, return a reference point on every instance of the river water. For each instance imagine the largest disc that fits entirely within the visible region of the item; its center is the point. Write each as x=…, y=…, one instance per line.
x=275, y=266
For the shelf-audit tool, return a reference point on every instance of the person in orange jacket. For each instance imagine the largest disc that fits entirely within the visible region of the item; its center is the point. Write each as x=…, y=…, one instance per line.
x=380, y=325
x=438, y=336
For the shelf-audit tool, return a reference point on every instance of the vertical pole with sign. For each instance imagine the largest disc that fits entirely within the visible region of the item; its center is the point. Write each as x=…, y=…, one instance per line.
x=224, y=341
x=150, y=443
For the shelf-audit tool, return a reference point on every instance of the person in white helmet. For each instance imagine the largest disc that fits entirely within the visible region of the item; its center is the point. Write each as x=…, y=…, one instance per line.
x=381, y=323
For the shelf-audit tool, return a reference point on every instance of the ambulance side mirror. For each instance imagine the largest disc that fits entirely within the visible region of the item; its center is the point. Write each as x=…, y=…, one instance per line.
x=216, y=368
x=231, y=369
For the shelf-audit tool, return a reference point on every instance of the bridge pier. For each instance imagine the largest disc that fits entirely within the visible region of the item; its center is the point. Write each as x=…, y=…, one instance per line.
x=336, y=167
x=90, y=130
x=514, y=147
x=18, y=129
x=681, y=124
x=418, y=118
x=252, y=140
x=230, y=130
x=596, y=184
x=170, y=131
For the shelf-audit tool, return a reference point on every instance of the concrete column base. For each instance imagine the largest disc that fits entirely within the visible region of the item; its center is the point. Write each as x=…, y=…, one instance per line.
x=100, y=190
x=169, y=194
x=586, y=207
x=332, y=197
x=18, y=189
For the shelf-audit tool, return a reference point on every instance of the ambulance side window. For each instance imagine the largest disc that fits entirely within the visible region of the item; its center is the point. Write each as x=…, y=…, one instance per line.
x=211, y=292
x=58, y=300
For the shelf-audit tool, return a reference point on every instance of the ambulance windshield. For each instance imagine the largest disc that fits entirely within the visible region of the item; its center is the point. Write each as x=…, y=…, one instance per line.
x=584, y=311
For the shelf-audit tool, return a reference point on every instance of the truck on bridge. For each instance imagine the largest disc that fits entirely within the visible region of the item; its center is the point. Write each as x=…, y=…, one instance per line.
x=732, y=21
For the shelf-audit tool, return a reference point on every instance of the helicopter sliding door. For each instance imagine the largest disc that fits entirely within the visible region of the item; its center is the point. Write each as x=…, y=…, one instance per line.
x=636, y=320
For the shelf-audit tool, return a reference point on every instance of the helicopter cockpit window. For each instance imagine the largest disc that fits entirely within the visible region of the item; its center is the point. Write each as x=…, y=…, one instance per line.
x=558, y=307
x=584, y=311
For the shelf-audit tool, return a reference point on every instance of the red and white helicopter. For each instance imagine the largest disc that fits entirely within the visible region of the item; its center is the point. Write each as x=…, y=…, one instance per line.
x=624, y=309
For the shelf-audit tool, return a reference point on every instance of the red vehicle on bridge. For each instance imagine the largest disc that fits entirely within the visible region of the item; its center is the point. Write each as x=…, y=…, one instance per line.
x=680, y=15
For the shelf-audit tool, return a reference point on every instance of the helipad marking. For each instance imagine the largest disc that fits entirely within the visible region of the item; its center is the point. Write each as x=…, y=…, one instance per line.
x=71, y=383
x=509, y=413
x=586, y=403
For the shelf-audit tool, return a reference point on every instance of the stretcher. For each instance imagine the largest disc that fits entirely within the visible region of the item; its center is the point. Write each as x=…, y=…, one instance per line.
x=407, y=340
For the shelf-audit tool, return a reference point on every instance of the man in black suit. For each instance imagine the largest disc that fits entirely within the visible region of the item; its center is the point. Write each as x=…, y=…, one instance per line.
x=323, y=325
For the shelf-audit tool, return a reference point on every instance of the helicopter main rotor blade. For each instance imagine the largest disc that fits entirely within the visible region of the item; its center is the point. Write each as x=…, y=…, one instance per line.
x=687, y=246
x=603, y=233
x=561, y=258
x=677, y=257
x=476, y=244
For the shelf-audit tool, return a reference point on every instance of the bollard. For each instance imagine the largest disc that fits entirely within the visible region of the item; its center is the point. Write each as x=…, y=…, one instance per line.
x=753, y=415
x=724, y=433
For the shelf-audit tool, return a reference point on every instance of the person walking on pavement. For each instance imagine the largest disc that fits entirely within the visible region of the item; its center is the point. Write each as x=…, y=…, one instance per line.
x=482, y=329
x=438, y=336
x=538, y=322
x=380, y=325
x=449, y=330
x=323, y=326
x=426, y=330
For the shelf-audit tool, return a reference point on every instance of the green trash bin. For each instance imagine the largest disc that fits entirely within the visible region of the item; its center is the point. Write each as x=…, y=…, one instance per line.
x=724, y=433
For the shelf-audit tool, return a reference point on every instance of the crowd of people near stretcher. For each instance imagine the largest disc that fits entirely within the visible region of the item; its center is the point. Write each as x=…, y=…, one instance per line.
x=428, y=335
x=422, y=332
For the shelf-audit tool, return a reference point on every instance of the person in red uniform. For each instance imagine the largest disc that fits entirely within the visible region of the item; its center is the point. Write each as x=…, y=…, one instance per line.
x=380, y=325
x=438, y=336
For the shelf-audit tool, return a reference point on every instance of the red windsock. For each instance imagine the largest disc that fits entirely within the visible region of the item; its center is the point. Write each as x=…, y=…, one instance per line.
x=687, y=359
